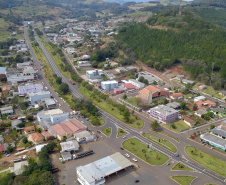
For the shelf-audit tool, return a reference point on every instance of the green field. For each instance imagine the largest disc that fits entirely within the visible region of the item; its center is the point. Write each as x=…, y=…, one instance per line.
x=140, y=149
x=163, y=142
x=207, y=160
x=183, y=180
x=180, y=166
x=112, y=110
x=3, y=174
x=121, y=132
x=180, y=125
x=107, y=131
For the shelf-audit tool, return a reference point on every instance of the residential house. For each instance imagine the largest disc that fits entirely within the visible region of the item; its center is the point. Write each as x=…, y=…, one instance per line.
x=47, y=135
x=1, y=139
x=19, y=167
x=14, y=124
x=6, y=89
x=70, y=146
x=128, y=86
x=7, y=110
x=50, y=103
x=120, y=69
x=94, y=74
x=119, y=90
x=177, y=96
x=151, y=93
x=180, y=77
x=198, y=98
x=109, y=85
x=29, y=88
x=53, y=115
x=2, y=149
x=200, y=112
x=83, y=136
x=222, y=106
x=164, y=113
x=39, y=147
x=202, y=87
x=24, y=65
x=85, y=57
x=29, y=130
x=217, y=110
x=188, y=120
x=137, y=84
x=66, y=156
x=84, y=65
x=3, y=73
x=187, y=81
x=209, y=103
x=151, y=79
x=36, y=138
x=174, y=105
x=36, y=97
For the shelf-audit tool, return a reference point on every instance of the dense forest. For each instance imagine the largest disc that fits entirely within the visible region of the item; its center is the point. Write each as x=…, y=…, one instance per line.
x=167, y=38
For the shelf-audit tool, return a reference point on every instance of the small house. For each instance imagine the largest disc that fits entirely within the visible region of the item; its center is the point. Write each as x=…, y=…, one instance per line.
x=188, y=120
x=29, y=130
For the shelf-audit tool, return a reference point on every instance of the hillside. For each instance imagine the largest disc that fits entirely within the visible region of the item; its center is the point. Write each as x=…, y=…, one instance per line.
x=167, y=39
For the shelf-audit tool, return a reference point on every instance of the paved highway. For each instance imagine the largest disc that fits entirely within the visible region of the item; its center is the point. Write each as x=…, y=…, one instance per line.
x=112, y=120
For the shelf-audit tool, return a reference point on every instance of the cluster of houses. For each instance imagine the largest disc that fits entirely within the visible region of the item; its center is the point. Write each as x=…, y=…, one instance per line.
x=19, y=47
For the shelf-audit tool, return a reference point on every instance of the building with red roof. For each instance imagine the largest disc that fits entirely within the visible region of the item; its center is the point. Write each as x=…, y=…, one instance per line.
x=177, y=96
x=128, y=86
x=2, y=149
x=47, y=135
x=36, y=138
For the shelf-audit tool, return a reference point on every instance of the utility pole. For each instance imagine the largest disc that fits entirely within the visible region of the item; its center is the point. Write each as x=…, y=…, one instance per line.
x=211, y=74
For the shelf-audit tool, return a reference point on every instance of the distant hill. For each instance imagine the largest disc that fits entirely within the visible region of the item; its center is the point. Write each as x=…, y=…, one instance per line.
x=167, y=39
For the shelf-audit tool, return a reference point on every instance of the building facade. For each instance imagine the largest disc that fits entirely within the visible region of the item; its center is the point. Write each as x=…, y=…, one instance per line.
x=109, y=85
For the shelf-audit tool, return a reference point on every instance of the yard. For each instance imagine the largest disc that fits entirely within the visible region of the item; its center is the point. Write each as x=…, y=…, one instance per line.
x=106, y=132
x=121, y=132
x=140, y=149
x=183, y=180
x=112, y=110
x=163, y=142
x=3, y=174
x=207, y=160
x=180, y=166
x=180, y=125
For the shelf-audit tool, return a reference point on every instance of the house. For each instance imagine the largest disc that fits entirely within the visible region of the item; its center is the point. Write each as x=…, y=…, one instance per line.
x=53, y=115
x=131, y=68
x=187, y=81
x=70, y=146
x=137, y=84
x=198, y=98
x=36, y=138
x=151, y=93
x=85, y=57
x=119, y=90
x=83, y=136
x=29, y=130
x=174, y=105
x=180, y=77
x=109, y=85
x=199, y=103
x=188, y=120
x=66, y=156
x=47, y=135
x=217, y=110
x=120, y=69
x=6, y=89
x=36, y=97
x=7, y=110
x=95, y=172
x=14, y=124
x=128, y=86
x=29, y=88
x=164, y=113
x=177, y=96
x=202, y=87
x=67, y=128
x=1, y=139
x=19, y=167
x=200, y=112
x=222, y=106
x=113, y=64
x=151, y=79
x=2, y=149
x=84, y=65
x=209, y=103
x=94, y=74
x=24, y=65
x=3, y=70
x=50, y=103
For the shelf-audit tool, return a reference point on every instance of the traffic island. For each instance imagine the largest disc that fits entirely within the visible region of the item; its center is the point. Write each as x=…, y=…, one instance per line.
x=149, y=155
x=121, y=132
x=207, y=160
x=106, y=132
x=180, y=166
x=161, y=141
x=183, y=180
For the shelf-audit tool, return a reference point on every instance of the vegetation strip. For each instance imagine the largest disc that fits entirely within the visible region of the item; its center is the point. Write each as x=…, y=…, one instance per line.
x=121, y=132
x=207, y=160
x=107, y=131
x=180, y=166
x=183, y=180
x=170, y=136
x=141, y=150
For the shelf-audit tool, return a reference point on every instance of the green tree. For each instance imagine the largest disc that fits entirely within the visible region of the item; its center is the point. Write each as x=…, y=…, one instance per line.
x=39, y=130
x=58, y=80
x=124, y=96
x=212, y=127
x=173, y=126
x=126, y=115
x=10, y=149
x=30, y=117
x=183, y=105
x=64, y=88
x=25, y=141
x=155, y=125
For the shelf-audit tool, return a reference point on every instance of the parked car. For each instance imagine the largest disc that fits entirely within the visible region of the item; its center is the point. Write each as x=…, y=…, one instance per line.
x=212, y=148
x=124, y=137
x=82, y=121
x=136, y=181
x=121, y=148
x=127, y=155
x=55, y=170
x=134, y=159
x=102, y=137
x=7, y=155
x=177, y=155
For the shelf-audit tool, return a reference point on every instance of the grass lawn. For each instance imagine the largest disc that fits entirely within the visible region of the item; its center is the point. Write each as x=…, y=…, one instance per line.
x=140, y=149
x=183, y=180
x=170, y=128
x=112, y=110
x=180, y=125
x=3, y=174
x=180, y=166
x=121, y=132
x=170, y=136
x=207, y=160
x=107, y=131
x=163, y=142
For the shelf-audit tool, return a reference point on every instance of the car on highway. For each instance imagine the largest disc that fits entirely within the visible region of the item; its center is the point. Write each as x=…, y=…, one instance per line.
x=134, y=159
x=127, y=155
x=124, y=137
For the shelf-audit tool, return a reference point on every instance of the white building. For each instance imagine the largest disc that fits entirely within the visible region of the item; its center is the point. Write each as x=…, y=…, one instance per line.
x=36, y=97
x=95, y=173
x=54, y=115
x=29, y=88
x=198, y=98
x=109, y=85
x=94, y=74
x=70, y=146
x=137, y=84
x=83, y=136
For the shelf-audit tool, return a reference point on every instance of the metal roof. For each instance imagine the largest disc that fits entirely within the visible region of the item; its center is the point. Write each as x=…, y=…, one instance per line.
x=214, y=139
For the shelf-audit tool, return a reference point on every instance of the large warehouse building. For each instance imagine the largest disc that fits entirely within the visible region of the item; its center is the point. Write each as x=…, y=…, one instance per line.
x=95, y=173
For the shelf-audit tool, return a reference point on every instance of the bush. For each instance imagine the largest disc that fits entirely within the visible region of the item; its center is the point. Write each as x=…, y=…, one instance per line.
x=25, y=141
x=30, y=117
x=64, y=88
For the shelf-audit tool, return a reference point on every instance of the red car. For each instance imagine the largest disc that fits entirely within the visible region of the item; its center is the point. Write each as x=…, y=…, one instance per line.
x=13, y=118
x=72, y=109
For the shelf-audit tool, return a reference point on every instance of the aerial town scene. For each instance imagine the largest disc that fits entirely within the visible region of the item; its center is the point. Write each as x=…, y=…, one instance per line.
x=113, y=92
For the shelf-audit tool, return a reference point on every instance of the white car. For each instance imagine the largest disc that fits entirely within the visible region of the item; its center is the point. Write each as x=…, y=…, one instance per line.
x=127, y=155
x=82, y=121
x=134, y=159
